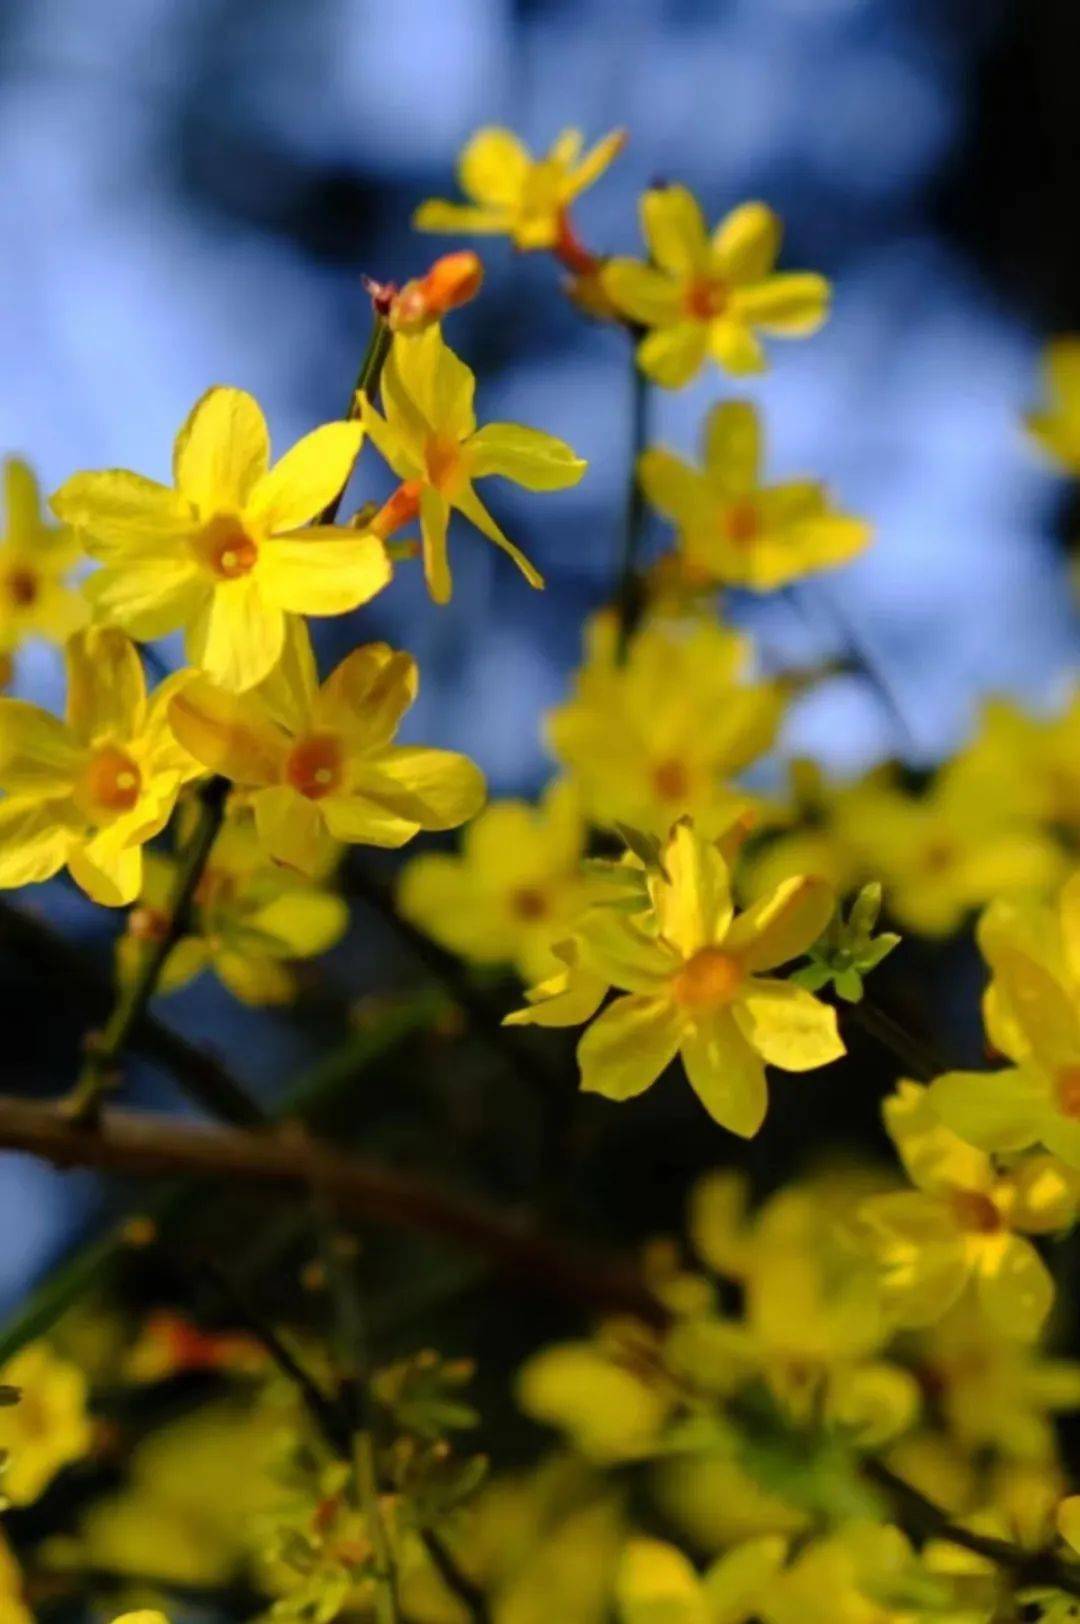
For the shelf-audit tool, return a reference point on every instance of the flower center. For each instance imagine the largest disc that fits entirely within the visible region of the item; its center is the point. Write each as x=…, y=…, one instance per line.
x=111, y=780
x=443, y=460
x=226, y=549
x=703, y=299
x=148, y=924
x=938, y=856
x=22, y=586
x=528, y=903
x=975, y=1211
x=670, y=780
x=1067, y=1089
x=314, y=765
x=709, y=980
x=741, y=523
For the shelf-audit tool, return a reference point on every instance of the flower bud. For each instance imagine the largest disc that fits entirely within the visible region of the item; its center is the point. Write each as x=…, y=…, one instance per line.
x=453, y=280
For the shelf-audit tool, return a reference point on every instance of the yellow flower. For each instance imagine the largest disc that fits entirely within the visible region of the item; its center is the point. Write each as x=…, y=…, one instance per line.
x=1056, y=427
x=1028, y=764
x=695, y=987
x=230, y=551
x=945, y=852
x=959, y=1227
x=318, y=763
x=664, y=732
x=91, y=790
x=708, y=296
x=35, y=559
x=48, y=1428
x=513, y=194
x=1032, y=1012
x=732, y=529
x=430, y=439
x=514, y=890
x=250, y=919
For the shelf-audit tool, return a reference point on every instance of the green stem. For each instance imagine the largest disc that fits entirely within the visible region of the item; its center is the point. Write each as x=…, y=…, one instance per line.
x=367, y=382
x=106, y=1049
x=627, y=600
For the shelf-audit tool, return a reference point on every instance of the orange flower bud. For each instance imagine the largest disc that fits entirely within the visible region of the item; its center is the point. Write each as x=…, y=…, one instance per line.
x=453, y=280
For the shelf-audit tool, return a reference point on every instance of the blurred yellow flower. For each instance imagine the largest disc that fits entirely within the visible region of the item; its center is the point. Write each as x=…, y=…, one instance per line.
x=430, y=439
x=48, y=1428
x=35, y=560
x=664, y=731
x=703, y=295
x=231, y=550
x=734, y=531
x=13, y=1607
x=513, y=194
x=250, y=919
x=1032, y=1012
x=90, y=791
x=693, y=986
x=1056, y=426
x=605, y=1395
x=318, y=763
x=514, y=890
x=959, y=1227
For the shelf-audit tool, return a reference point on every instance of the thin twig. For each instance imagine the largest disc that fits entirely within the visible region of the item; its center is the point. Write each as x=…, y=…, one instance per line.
x=627, y=599
x=468, y=1593
x=106, y=1049
x=917, y=1056
x=367, y=382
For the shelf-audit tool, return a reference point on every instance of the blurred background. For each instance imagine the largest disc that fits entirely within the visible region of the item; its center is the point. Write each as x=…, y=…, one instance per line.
x=191, y=190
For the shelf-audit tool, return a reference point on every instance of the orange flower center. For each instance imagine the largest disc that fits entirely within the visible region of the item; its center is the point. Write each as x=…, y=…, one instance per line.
x=703, y=299
x=226, y=549
x=670, y=780
x=1067, y=1089
x=22, y=586
x=111, y=780
x=528, y=903
x=742, y=523
x=443, y=460
x=147, y=924
x=976, y=1212
x=938, y=856
x=314, y=765
x=709, y=980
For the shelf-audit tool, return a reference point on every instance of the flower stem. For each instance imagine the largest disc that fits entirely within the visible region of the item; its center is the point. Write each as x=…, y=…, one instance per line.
x=628, y=591
x=106, y=1049
x=367, y=382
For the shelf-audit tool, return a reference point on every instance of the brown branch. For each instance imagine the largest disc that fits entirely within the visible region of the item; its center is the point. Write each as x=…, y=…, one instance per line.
x=289, y=1162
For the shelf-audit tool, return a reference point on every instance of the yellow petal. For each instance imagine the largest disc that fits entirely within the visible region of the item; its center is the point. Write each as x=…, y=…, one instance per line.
x=783, y=924
x=434, y=523
x=435, y=380
x=22, y=504
x=260, y=982
x=371, y=818
x=324, y=571
x=106, y=695
x=238, y=636
x=538, y=461
x=118, y=509
x=737, y=1581
x=674, y=228
x=656, y=1584
x=997, y=1111
x=403, y=454
x=35, y=841
x=628, y=1046
x=935, y=1157
x=793, y=304
x=437, y=215
x=292, y=829
x=303, y=922
x=567, y=999
x=788, y=1026
x=1070, y=924
x=221, y=452
x=1016, y=1291
x=733, y=445
x=443, y=787
x=693, y=902
x=305, y=479
x=612, y=946
x=290, y=693
x=468, y=503
x=673, y=355
x=733, y=346
x=38, y=755
x=922, y=1253
x=746, y=242
x=230, y=734
x=1068, y=1521
x=726, y=1074
x=366, y=696
x=1047, y=1017
x=671, y=486
x=493, y=166
x=151, y=594
x=645, y=294
x=596, y=160
x=111, y=876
